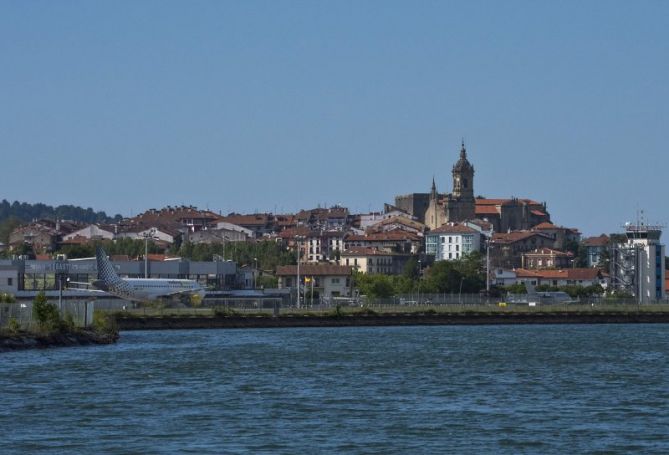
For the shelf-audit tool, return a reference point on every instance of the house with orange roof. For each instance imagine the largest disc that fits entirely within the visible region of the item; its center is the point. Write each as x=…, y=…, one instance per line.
x=587, y=276
x=316, y=281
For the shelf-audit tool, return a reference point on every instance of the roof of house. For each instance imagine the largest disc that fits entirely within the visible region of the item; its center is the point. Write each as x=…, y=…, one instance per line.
x=453, y=228
x=368, y=251
x=255, y=219
x=585, y=274
x=389, y=236
x=602, y=240
x=291, y=233
x=516, y=236
x=314, y=270
x=548, y=252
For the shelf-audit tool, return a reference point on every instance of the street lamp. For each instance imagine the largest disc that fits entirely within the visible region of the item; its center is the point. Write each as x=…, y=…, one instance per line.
x=462, y=279
x=150, y=234
x=255, y=272
x=419, y=274
x=297, y=243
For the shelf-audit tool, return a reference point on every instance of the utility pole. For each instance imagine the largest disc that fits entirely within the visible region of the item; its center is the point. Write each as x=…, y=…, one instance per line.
x=147, y=235
x=297, y=243
x=487, y=267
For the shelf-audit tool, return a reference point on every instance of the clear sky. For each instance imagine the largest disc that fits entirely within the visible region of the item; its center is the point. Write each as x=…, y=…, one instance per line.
x=275, y=105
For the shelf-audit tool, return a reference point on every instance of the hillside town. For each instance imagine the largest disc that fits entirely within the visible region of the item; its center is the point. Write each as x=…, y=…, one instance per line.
x=514, y=241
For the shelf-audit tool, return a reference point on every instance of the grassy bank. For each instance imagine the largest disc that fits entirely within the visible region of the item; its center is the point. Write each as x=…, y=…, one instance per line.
x=59, y=333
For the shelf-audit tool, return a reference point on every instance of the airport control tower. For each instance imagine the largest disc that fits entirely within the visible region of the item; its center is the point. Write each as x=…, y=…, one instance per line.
x=637, y=266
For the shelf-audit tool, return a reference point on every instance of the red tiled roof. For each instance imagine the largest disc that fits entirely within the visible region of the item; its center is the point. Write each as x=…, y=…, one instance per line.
x=290, y=233
x=602, y=240
x=453, y=229
x=394, y=235
x=486, y=210
x=515, y=236
x=546, y=225
x=314, y=270
x=256, y=219
x=586, y=274
x=537, y=213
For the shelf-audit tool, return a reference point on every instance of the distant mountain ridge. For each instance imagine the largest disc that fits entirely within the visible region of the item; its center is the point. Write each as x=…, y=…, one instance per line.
x=26, y=212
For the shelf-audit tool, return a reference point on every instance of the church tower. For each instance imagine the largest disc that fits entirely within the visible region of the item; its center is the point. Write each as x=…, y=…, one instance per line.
x=461, y=205
x=463, y=177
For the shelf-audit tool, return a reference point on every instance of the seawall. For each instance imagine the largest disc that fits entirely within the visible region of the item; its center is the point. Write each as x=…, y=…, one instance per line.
x=236, y=322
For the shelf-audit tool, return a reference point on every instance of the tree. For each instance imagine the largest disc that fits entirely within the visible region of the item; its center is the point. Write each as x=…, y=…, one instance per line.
x=45, y=313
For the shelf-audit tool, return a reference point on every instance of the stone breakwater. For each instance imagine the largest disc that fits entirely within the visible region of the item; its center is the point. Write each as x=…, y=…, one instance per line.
x=232, y=322
x=26, y=340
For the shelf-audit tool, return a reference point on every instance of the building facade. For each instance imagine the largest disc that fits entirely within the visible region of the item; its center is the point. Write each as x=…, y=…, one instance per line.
x=452, y=241
x=637, y=267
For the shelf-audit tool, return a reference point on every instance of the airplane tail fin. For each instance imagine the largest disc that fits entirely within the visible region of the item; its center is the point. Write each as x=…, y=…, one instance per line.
x=106, y=272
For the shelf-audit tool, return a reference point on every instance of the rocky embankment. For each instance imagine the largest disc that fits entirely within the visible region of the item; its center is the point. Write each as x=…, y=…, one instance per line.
x=27, y=340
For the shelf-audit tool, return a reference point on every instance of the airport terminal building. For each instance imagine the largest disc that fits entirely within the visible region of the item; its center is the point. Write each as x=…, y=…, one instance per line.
x=48, y=275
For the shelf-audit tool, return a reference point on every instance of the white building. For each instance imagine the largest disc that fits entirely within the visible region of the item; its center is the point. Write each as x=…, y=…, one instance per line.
x=452, y=241
x=637, y=266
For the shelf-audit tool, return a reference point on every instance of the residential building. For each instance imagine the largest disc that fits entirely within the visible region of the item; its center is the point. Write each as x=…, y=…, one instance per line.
x=506, y=249
x=398, y=240
x=595, y=248
x=319, y=280
x=452, y=241
x=563, y=277
x=258, y=223
x=374, y=261
x=546, y=258
x=561, y=236
x=92, y=232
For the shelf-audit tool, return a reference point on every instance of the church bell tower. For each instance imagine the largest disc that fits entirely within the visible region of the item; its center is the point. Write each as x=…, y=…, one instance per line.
x=463, y=177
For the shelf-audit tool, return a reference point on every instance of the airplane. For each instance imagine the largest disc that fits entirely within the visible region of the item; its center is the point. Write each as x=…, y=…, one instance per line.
x=142, y=289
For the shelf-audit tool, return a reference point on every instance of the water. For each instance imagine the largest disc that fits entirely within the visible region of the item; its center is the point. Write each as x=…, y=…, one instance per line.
x=483, y=389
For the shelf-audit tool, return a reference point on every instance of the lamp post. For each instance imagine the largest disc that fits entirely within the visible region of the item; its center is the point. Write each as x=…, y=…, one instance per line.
x=420, y=270
x=462, y=279
x=255, y=272
x=297, y=243
x=147, y=235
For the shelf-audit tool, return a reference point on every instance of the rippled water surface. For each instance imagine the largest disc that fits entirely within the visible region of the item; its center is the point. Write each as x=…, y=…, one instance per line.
x=483, y=389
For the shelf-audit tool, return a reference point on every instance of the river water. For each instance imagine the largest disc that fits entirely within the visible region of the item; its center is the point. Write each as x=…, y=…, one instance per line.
x=404, y=390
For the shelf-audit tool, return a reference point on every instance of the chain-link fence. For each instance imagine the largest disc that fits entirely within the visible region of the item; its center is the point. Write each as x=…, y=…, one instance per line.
x=80, y=312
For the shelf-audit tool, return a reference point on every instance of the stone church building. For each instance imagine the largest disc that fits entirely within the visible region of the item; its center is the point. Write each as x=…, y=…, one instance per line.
x=435, y=209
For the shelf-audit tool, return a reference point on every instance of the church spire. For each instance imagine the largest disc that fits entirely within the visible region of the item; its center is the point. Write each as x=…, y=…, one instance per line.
x=433, y=193
x=463, y=151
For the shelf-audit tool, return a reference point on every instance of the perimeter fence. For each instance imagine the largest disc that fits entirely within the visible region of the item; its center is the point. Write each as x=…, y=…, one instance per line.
x=81, y=313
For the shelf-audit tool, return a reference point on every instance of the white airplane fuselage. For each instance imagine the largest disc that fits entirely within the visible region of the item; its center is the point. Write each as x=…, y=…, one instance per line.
x=145, y=289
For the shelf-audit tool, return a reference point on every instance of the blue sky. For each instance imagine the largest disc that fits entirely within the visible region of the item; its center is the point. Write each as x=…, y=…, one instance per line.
x=277, y=106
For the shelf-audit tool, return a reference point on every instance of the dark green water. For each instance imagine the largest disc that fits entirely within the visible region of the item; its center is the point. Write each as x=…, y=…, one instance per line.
x=405, y=390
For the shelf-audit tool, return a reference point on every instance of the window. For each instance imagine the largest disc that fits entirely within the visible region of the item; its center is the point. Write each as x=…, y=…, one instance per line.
x=335, y=280
x=10, y=281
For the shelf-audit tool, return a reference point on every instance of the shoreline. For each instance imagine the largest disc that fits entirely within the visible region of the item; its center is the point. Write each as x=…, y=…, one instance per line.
x=26, y=340
x=248, y=322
